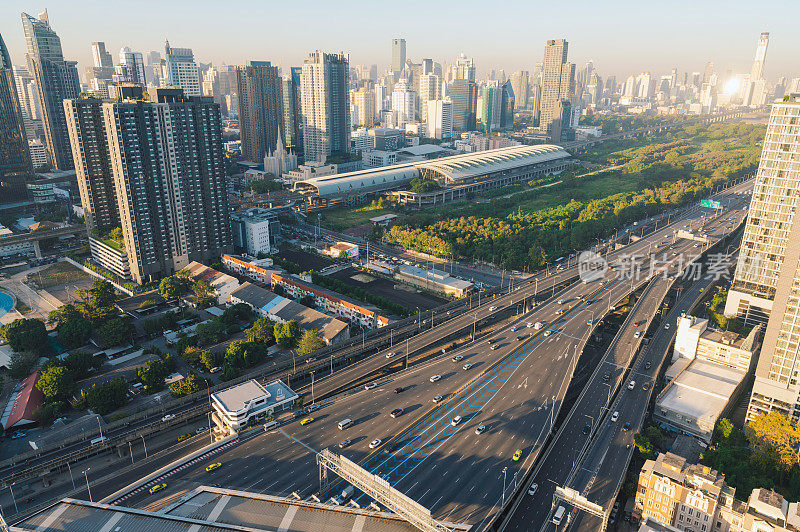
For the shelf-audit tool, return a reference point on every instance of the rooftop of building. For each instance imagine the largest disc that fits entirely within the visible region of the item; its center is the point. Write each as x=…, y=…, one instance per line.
x=435, y=276
x=701, y=391
x=363, y=307
x=24, y=402
x=210, y=509
x=651, y=525
x=425, y=149
x=201, y=272
x=286, y=310
x=254, y=214
x=471, y=165
x=239, y=397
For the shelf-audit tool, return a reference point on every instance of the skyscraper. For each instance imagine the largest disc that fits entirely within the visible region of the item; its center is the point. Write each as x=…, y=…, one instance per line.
x=56, y=80
x=292, y=119
x=87, y=135
x=169, y=174
x=15, y=162
x=403, y=103
x=364, y=102
x=767, y=278
x=325, y=105
x=100, y=57
x=131, y=67
x=429, y=89
x=464, y=94
x=490, y=106
x=520, y=86
x=260, y=108
x=558, y=83
x=440, y=119
x=464, y=68
x=708, y=72
x=756, y=91
x=181, y=70
x=398, y=55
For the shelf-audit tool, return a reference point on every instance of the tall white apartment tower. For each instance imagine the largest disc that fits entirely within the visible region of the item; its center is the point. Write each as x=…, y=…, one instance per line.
x=440, y=118
x=181, y=70
x=767, y=278
x=755, y=91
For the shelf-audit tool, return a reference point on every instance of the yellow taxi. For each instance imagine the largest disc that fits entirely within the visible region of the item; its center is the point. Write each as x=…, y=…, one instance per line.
x=307, y=421
x=158, y=487
x=184, y=437
x=517, y=455
x=212, y=467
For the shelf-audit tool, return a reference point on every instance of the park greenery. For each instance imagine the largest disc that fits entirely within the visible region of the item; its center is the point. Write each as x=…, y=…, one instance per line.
x=186, y=386
x=25, y=335
x=264, y=185
x=58, y=381
x=94, y=311
x=650, y=175
x=763, y=455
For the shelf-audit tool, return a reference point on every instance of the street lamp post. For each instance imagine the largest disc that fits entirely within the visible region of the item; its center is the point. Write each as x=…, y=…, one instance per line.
x=130, y=449
x=14, y=499
x=89, y=489
x=145, y=444
x=70, y=475
x=312, y=388
x=505, y=470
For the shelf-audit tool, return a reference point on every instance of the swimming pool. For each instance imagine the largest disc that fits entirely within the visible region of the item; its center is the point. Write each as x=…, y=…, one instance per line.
x=6, y=303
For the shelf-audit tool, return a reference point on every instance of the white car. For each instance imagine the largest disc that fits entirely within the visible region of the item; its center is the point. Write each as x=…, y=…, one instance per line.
x=456, y=421
x=435, y=378
x=467, y=366
x=437, y=398
x=168, y=417
x=632, y=385
x=492, y=308
x=546, y=333
x=390, y=354
x=666, y=326
x=533, y=488
x=637, y=334
x=374, y=443
x=614, y=416
x=370, y=385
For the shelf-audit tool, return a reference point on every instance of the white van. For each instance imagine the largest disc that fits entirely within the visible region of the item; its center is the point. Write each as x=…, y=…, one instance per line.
x=343, y=424
x=96, y=441
x=559, y=515
x=270, y=425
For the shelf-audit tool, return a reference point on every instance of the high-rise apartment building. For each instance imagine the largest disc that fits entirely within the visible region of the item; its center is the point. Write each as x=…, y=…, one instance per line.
x=755, y=91
x=521, y=88
x=440, y=119
x=181, y=70
x=290, y=95
x=169, y=173
x=15, y=162
x=430, y=88
x=398, y=55
x=56, y=80
x=325, y=105
x=131, y=67
x=403, y=103
x=260, y=108
x=363, y=101
x=464, y=68
x=558, y=83
x=87, y=135
x=464, y=94
x=766, y=284
x=100, y=57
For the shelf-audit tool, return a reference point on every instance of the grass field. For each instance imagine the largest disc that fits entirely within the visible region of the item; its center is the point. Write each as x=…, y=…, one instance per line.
x=346, y=217
x=58, y=274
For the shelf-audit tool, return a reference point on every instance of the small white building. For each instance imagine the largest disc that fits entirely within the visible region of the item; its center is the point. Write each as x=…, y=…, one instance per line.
x=248, y=403
x=255, y=230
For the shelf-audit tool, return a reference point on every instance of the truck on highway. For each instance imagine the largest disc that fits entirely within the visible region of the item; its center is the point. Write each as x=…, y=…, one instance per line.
x=538, y=325
x=345, y=423
x=559, y=515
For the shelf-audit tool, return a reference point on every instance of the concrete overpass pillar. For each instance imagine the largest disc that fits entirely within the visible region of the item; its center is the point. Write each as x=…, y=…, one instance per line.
x=37, y=249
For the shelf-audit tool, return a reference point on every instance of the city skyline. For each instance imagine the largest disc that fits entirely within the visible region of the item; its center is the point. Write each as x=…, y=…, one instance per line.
x=683, y=38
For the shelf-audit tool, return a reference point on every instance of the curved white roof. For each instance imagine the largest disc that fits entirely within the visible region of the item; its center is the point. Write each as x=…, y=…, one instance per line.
x=453, y=168
x=361, y=181
x=475, y=164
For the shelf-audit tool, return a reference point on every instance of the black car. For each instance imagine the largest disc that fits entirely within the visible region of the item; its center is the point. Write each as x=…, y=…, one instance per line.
x=647, y=365
x=607, y=376
x=587, y=428
x=399, y=389
x=397, y=412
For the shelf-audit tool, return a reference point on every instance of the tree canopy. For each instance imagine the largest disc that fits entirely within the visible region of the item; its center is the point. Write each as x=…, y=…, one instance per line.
x=309, y=342
x=25, y=334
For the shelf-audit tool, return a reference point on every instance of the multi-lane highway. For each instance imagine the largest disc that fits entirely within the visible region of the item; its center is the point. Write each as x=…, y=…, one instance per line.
x=513, y=390
x=566, y=449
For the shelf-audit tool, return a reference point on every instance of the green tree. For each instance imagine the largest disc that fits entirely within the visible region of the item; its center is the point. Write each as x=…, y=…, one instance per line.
x=55, y=382
x=724, y=428
x=310, y=341
x=48, y=412
x=211, y=333
x=74, y=332
x=186, y=386
x=287, y=334
x=774, y=439
x=25, y=334
x=97, y=302
x=208, y=359
x=152, y=375
x=115, y=331
x=643, y=445
x=192, y=354
x=262, y=330
x=80, y=364
x=204, y=294
x=108, y=396
x=173, y=287
x=22, y=364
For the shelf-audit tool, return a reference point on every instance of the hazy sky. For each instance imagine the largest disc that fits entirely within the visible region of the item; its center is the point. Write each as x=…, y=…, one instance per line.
x=621, y=37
